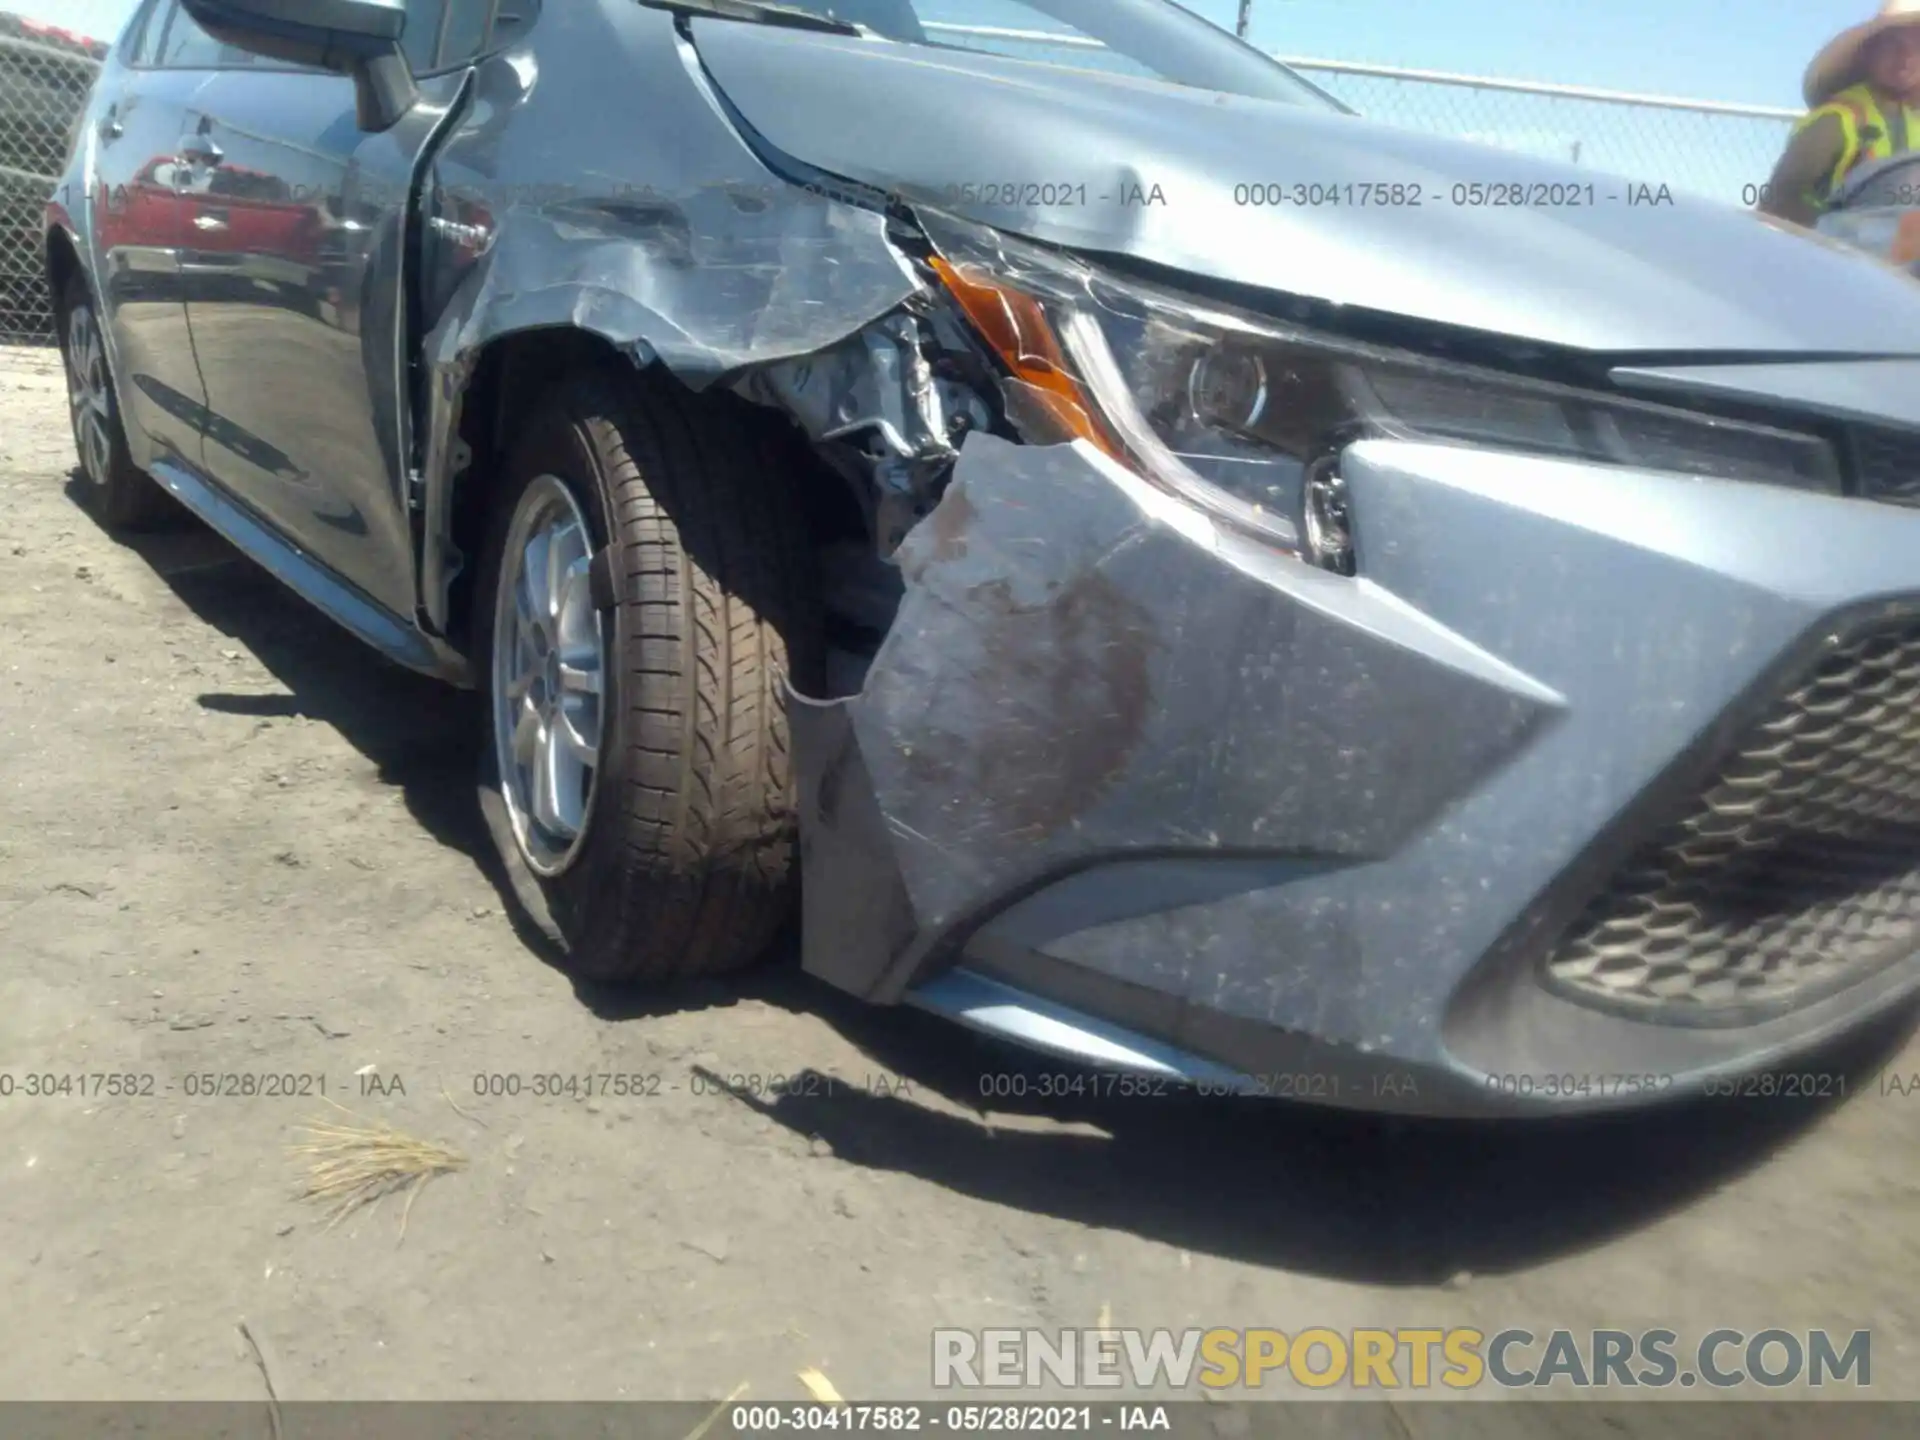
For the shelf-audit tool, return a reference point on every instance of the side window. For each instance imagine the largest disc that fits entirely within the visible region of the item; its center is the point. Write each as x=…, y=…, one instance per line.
x=466, y=31
x=143, y=36
x=440, y=34
x=188, y=47
x=421, y=39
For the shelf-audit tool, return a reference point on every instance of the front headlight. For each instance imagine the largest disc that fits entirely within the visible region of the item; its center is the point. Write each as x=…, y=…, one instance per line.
x=1247, y=418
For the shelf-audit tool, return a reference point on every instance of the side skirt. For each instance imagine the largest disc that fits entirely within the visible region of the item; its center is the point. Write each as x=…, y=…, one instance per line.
x=396, y=638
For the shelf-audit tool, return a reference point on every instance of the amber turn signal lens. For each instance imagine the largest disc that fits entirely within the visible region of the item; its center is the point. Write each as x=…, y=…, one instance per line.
x=1906, y=240
x=1017, y=328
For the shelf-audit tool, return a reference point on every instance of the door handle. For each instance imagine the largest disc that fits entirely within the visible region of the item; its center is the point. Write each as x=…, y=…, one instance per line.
x=199, y=150
x=210, y=220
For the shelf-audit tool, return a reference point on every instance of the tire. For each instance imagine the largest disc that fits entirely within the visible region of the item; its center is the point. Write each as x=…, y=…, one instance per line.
x=701, y=576
x=120, y=495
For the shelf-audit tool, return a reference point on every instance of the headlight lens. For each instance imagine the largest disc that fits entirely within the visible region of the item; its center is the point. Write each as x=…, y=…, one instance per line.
x=1247, y=418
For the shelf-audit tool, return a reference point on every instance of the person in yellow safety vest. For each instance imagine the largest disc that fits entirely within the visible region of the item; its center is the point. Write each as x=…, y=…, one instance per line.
x=1863, y=98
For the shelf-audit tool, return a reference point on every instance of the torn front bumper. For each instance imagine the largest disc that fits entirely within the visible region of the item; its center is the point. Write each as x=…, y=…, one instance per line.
x=1126, y=786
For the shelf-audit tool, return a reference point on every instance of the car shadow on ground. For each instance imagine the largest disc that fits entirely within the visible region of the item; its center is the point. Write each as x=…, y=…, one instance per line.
x=1366, y=1198
x=1318, y=1191
x=421, y=736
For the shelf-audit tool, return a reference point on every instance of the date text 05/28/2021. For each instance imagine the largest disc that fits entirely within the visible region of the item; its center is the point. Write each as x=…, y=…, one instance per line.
x=1035, y=1419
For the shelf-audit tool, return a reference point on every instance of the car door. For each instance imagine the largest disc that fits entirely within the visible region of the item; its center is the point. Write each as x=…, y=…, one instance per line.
x=293, y=275
x=138, y=227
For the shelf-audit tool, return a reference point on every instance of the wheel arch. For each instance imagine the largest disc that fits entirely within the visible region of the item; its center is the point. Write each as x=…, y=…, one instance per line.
x=494, y=389
x=63, y=257
x=478, y=411
x=62, y=264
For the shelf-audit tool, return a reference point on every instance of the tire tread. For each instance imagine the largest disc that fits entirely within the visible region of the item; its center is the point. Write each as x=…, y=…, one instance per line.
x=711, y=587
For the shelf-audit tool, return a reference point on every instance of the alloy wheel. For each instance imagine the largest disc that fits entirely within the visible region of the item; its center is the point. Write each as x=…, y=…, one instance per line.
x=90, y=394
x=548, y=676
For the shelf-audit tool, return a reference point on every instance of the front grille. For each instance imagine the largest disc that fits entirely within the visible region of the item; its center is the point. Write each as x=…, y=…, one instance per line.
x=1794, y=872
x=1887, y=464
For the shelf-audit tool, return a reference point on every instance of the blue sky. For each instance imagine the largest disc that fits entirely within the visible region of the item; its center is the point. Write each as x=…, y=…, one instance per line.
x=1740, y=50
x=1751, y=51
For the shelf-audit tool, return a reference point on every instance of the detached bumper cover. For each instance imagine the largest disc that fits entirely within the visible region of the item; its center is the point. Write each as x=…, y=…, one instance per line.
x=1287, y=821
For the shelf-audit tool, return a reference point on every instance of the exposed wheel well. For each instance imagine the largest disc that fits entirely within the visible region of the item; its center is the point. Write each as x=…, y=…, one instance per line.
x=511, y=377
x=63, y=262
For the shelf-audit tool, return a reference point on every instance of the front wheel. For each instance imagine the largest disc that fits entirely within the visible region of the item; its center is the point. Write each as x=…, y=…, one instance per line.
x=642, y=597
x=121, y=496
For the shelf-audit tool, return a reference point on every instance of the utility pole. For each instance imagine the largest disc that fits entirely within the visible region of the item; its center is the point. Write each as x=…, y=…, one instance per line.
x=1246, y=19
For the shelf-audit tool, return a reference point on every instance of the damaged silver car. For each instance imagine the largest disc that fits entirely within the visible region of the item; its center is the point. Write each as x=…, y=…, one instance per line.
x=1165, y=570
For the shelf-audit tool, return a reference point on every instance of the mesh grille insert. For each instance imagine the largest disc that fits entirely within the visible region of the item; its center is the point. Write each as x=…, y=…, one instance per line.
x=1796, y=870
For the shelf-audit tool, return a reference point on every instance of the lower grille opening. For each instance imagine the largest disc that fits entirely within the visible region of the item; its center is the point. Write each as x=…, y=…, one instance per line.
x=1793, y=873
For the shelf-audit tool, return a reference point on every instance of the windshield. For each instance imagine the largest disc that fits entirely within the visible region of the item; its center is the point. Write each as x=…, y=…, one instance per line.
x=1155, y=39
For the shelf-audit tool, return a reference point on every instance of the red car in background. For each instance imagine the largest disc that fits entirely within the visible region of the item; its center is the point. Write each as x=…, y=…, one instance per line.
x=213, y=217
x=54, y=35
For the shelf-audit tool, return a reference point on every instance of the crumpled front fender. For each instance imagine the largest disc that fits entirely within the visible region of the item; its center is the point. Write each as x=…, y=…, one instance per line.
x=667, y=238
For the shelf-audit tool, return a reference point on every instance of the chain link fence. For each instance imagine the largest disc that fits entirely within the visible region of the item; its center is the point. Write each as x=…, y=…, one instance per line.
x=1722, y=152
x=44, y=78
x=1700, y=147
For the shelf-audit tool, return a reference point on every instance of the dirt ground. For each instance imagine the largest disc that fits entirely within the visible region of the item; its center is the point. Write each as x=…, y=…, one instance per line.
x=233, y=843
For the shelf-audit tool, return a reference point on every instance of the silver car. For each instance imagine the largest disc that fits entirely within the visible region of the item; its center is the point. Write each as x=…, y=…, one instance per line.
x=1159, y=568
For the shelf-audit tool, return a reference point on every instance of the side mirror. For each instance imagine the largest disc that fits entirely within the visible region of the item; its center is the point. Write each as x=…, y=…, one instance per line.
x=360, y=38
